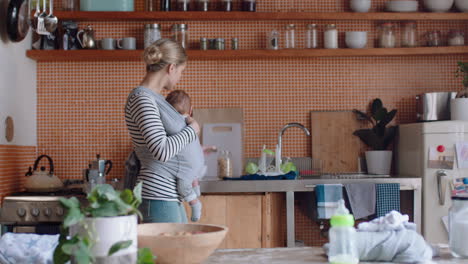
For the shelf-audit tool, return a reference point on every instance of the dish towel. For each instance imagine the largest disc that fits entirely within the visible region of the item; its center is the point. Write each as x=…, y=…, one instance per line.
x=27, y=248
x=327, y=196
x=361, y=199
x=388, y=198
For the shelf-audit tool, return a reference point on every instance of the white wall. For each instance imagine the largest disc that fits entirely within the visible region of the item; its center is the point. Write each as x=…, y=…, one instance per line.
x=17, y=86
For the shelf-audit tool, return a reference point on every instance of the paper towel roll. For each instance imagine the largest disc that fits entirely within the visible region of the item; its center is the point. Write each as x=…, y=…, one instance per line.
x=459, y=109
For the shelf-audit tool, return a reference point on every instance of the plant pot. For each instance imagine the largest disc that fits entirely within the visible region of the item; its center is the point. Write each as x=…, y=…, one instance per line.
x=379, y=162
x=105, y=232
x=459, y=109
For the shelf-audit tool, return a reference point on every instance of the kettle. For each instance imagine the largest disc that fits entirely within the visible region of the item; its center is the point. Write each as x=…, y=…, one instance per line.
x=86, y=39
x=42, y=181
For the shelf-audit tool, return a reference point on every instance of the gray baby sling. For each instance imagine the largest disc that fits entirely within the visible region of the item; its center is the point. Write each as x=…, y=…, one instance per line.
x=177, y=166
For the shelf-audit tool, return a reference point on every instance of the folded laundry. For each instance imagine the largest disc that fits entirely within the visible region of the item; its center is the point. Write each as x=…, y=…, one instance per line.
x=327, y=196
x=393, y=221
x=27, y=248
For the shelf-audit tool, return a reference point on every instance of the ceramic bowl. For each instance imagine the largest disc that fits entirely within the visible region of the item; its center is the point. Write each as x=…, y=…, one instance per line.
x=401, y=6
x=361, y=6
x=356, y=39
x=438, y=5
x=180, y=243
x=462, y=5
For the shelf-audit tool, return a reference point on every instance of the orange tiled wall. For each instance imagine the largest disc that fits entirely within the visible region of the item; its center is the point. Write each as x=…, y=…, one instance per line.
x=14, y=163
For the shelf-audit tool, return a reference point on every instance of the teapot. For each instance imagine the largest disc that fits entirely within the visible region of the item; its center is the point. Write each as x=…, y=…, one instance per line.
x=86, y=38
x=42, y=181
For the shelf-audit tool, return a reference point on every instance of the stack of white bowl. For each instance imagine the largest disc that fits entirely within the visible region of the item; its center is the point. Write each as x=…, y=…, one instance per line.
x=438, y=5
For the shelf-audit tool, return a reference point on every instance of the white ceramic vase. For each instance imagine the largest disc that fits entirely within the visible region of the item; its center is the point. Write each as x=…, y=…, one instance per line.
x=379, y=162
x=360, y=6
x=105, y=232
x=459, y=109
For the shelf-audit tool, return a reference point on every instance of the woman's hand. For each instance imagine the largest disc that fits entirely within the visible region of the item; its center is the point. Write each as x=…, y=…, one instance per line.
x=193, y=123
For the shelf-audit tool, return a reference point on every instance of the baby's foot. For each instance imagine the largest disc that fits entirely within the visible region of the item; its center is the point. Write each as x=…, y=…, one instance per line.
x=196, y=211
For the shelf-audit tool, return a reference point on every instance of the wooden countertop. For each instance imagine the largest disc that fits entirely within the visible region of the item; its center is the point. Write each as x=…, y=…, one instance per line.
x=300, y=255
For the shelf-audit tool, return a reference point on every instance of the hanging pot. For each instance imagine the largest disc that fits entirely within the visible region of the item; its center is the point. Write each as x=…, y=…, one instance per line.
x=42, y=180
x=17, y=20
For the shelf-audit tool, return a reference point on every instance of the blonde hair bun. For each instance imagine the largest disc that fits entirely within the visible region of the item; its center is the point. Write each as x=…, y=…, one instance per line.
x=152, y=55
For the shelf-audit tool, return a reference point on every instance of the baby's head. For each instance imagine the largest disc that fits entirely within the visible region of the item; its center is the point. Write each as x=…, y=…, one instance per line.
x=180, y=100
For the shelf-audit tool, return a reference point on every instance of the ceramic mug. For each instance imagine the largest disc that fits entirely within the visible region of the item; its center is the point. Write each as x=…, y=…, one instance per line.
x=107, y=43
x=127, y=43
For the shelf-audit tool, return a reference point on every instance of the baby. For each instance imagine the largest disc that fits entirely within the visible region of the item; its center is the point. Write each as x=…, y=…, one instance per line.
x=189, y=188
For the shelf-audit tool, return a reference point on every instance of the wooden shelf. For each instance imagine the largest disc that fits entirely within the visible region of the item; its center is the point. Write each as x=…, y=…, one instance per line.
x=243, y=16
x=135, y=55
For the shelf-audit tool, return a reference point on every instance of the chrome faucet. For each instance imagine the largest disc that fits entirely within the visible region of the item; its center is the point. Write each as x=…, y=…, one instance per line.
x=279, y=150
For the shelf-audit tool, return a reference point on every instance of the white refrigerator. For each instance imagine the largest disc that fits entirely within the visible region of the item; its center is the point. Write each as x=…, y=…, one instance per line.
x=428, y=150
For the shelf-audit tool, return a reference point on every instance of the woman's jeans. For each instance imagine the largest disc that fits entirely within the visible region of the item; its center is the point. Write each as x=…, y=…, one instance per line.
x=158, y=211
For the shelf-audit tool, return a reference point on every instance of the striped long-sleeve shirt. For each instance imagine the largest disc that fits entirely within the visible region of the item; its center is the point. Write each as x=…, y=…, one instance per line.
x=146, y=129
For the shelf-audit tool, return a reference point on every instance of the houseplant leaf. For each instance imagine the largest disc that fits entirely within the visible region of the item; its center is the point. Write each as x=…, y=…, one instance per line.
x=145, y=256
x=118, y=246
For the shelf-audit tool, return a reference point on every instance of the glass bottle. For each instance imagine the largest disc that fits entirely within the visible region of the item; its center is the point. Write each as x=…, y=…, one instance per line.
x=273, y=40
x=311, y=38
x=387, y=37
x=165, y=5
x=182, y=5
x=290, y=37
x=225, y=5
x=409, y=36
x=249, y=5
x=225, y=164
x=152, y=33
x=342, y=237
x=203, y=5
x=330, y=37
x=180, y=34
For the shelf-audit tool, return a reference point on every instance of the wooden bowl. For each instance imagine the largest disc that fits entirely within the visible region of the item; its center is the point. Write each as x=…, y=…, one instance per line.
x=180, y=243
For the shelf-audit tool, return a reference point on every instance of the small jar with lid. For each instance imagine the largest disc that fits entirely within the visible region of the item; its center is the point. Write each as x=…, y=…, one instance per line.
x=273, y=40
x=225, y=5
x=311, y=37
x=203, y=5
x=225, y=164
x=180, y=34
x=433, y=38
x=183, y=5
x=456, y=38
x=330, y=37
x=249, y=5
x=387, y=36
x=290, y=36
x=409, y=36
x=152, y=33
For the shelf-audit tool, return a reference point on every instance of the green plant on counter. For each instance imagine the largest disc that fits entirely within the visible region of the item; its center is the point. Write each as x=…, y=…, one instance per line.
x=104, y=201
x=462, y=71
x=379, y=136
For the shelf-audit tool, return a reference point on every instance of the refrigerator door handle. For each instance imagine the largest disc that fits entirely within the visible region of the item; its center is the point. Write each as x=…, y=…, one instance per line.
x=441, y=186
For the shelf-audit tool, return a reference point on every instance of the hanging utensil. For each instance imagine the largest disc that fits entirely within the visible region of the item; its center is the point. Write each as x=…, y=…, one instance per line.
x=51, y=21
x=34, y=20
x=17, y=20
x=41, y=29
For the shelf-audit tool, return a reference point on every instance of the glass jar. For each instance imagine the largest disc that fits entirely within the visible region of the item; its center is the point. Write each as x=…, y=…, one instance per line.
x=165, y=5
x=234, y=44
x=387, y=37
x=249, y=5
x=456, y=38
x=225, y=5
x=203, y=43
x=409, y=36
x=180, y=35
x=152, y=33
x=458, y=226
x=203, y=5
x=330, y=37
x=70, y=5
x=220, y=44
x=273, y=40
x=311, y=38
x=225, y=164
x=290, y=37
x=433, y=38
x=183, y=5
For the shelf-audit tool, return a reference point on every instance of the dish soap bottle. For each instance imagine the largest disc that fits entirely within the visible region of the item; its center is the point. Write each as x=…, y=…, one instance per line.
x=342, y=236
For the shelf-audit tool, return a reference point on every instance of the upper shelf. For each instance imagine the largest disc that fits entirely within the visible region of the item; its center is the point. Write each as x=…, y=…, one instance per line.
x=242, y=16
x=135, y=55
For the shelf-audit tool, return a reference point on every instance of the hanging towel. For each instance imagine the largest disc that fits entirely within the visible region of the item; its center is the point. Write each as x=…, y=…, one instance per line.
x=388, y=198
x=361, y=199
x=327, y=196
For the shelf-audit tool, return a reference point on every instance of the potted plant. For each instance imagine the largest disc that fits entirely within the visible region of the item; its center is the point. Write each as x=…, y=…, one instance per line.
x=103, y=231
x=459, y=105
x=378, y=138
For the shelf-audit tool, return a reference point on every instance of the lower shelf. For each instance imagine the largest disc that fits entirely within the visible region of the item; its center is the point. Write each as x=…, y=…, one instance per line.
x=135, y=55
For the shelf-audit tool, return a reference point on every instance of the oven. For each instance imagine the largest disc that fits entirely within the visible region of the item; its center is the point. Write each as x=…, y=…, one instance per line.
x=39, y=213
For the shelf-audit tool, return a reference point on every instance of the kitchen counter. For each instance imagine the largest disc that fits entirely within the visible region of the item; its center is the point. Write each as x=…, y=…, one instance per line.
x=307, y=185
x=299, y=255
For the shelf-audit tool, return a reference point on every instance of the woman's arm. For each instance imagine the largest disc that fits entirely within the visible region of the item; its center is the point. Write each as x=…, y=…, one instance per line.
x=145, y=113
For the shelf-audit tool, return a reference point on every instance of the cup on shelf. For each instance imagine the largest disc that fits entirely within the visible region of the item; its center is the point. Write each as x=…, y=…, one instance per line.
x=360, y=6
x=356, y=39
x=107, y=44
x=127, y=43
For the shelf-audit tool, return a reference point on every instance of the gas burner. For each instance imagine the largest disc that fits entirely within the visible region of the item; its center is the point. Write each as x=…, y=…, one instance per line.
x=61, y=193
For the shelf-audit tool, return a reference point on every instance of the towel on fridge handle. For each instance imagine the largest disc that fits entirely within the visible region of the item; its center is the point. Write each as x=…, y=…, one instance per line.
x=327, y=196
x=387, y=198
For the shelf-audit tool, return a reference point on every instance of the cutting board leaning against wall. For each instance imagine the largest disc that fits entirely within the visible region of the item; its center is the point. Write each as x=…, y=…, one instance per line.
x=333, y=141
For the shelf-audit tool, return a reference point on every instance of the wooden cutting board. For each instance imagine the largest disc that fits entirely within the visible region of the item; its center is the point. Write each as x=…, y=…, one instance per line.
x=333, y=141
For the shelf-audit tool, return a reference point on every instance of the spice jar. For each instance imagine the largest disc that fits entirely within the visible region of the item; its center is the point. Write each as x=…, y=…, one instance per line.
x=458, y=226
x=180, y=34
x=225, y=5
x=273, y=40
x=311, y=37
x=433, y=38
x=290, y=37
x=182, y=5
x=220, y=44
x=249, y=5
x=456, y=38
x=409, y=36
x=165, y=5
x=387, y=38
x=330, y=37
x=203, y=43
x=152, y=33
x=150, y=5
x=225, y=164
x=203, y=5
x=234, y=44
